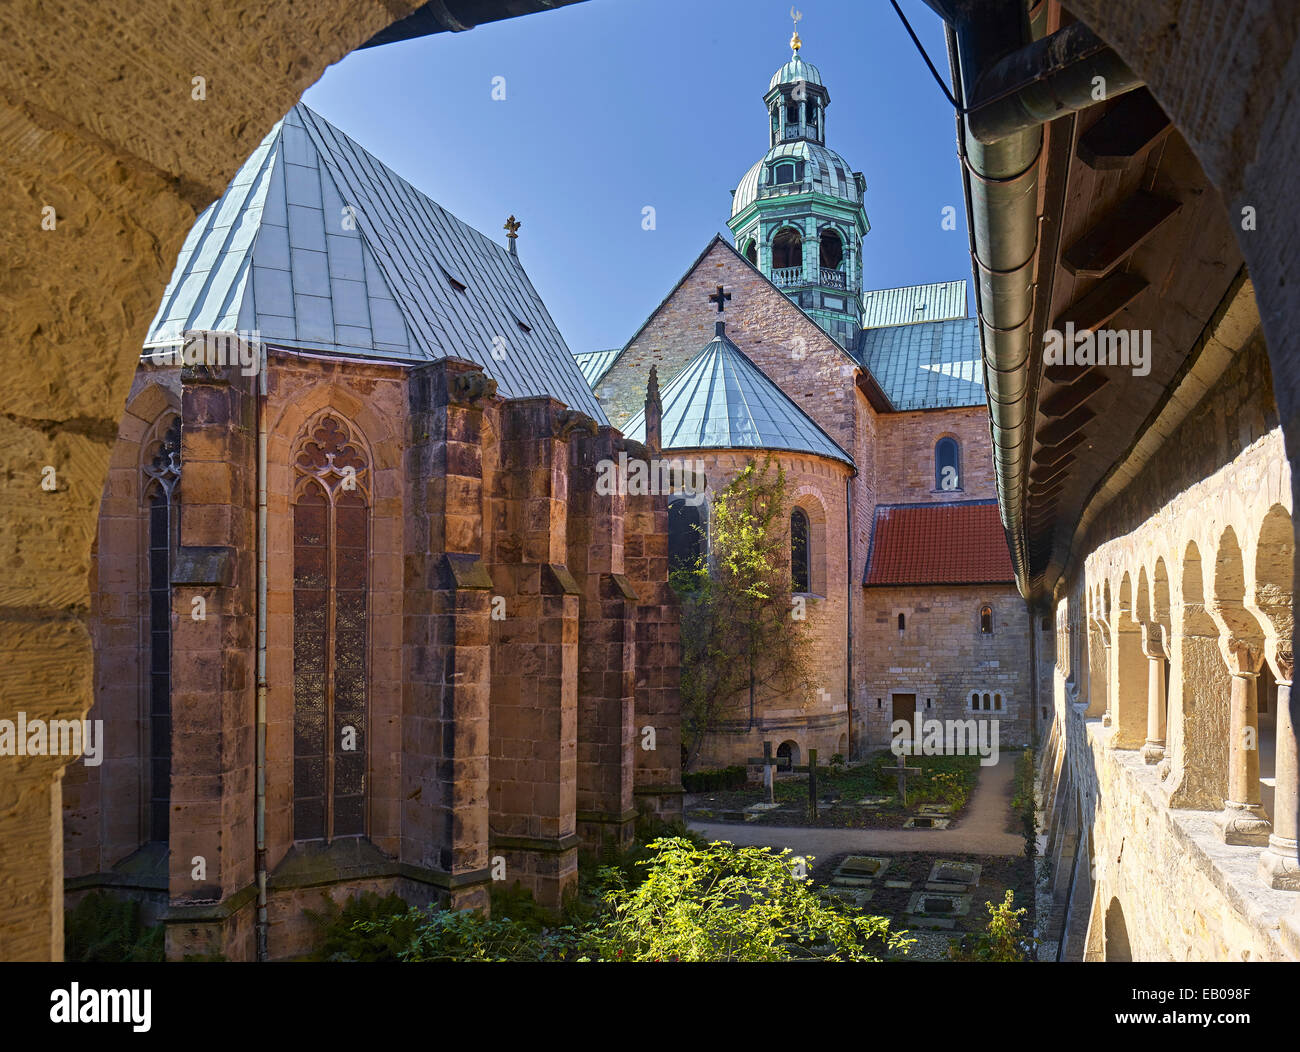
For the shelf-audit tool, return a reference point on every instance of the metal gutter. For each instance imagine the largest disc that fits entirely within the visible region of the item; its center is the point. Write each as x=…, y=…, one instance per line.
x=1008, y=86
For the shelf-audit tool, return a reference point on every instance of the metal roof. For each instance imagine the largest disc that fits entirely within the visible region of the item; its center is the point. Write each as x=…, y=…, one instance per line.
x=930, y=365
x=595, y=364
x=318, y=245
x=827, y=172
x=722, y=400
x=940, y=301
x=795, y=70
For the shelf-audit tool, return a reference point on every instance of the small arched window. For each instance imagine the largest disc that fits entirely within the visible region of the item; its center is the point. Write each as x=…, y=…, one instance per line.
x=800, y=557
x=751, y=251
x=902, y=622
x=685, y=535
x=986, y=619
x=947, y=464
x=787, y=249
x=831, y=250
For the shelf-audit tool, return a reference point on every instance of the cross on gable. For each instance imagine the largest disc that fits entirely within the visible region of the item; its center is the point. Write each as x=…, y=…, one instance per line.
x=720, y=298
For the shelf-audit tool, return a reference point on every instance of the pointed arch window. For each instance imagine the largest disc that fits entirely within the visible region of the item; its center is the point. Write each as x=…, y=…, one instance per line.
x=800, y=554
x=162, y=471
x=331, y=556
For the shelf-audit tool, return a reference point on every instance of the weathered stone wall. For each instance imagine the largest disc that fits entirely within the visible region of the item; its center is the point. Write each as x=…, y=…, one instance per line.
x=905, y=470
x=942, y=657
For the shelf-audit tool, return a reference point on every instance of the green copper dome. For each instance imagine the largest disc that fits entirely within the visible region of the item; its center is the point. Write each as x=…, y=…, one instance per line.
x=825, y=172
x=794, y=71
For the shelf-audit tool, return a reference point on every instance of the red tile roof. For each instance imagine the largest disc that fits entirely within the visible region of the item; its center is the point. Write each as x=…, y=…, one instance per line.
x=938, y=544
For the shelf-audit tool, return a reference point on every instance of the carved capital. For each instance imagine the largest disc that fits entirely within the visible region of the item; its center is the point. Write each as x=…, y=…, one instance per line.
x=1244, y=658
x=1153, y=640
x=1285, y=662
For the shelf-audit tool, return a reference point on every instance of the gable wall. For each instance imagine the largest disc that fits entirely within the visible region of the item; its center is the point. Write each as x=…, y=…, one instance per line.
x=803, y=361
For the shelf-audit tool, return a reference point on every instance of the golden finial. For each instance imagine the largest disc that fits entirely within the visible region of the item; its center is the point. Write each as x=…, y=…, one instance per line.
x=512, y=227
x=795, y=42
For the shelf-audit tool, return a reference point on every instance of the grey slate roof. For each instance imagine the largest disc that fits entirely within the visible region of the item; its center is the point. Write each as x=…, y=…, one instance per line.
x=930, y=365
x=722, y=400
x=275, y=254
x=595, y=364
x=940, y=301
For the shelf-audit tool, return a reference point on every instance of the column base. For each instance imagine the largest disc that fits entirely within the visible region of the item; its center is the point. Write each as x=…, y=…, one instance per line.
x=1279, y=866
x=1243, y=825
x=1153, y=751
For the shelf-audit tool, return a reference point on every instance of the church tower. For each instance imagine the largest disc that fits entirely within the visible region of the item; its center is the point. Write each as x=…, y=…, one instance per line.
x=797, y=214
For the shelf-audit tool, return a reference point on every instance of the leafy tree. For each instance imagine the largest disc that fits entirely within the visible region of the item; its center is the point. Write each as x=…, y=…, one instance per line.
x=718, y=902
x=739, y=635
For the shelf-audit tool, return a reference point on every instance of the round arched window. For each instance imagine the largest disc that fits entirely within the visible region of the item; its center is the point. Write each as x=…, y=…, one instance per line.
x=947, y=465
x=800, y=557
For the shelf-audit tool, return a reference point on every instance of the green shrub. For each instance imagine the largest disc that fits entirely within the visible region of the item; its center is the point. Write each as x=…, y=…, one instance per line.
x=713, y=781
x=719, y=902
x=1002, y=940
x=104, y=929
x=466, y=935
x=342, y=936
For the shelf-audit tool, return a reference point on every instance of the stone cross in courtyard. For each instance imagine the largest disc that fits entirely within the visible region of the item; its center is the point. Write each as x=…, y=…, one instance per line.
x=902, y=772
x=720, y=298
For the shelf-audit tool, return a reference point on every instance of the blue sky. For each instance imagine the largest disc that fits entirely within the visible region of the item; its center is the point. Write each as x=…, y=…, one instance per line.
x=612, y=105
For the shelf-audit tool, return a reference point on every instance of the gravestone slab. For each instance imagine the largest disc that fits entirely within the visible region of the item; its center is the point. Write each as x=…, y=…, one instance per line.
x=947, y=871
x=926, y=822
x=898, y=884
x=864, y=866
x=938, y=903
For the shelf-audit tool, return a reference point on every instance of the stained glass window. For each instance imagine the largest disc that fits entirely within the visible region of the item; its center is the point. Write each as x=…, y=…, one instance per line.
x=331, y=554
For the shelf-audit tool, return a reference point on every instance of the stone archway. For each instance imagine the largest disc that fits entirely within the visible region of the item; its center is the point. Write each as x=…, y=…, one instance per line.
x=118, y=156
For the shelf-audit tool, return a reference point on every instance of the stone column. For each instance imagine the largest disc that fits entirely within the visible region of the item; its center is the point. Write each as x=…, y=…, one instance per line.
x=446, y=611
x=1154, y=649
x=1278, y=865
x=1104, y=629
x=1243, y=821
